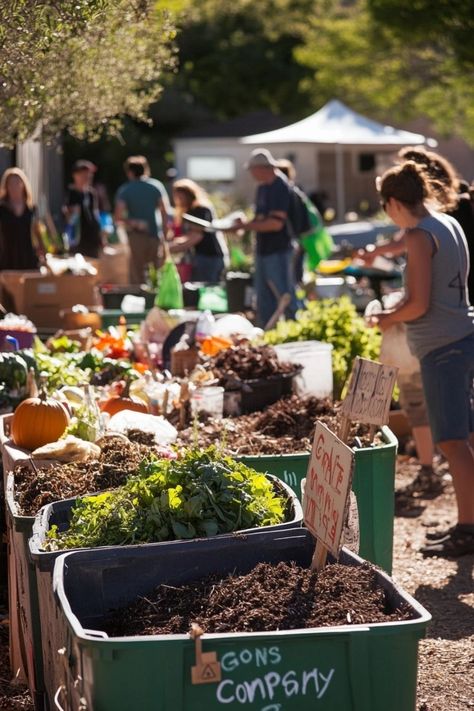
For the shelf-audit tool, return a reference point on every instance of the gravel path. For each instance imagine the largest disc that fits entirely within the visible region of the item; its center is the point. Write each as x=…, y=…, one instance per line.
x=446, y=589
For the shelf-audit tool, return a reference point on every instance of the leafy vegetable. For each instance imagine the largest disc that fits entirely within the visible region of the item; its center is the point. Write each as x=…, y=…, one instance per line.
x=13, y=380
x=332, y=321
x=61, y=369
x=63, y=344
x=202, y=494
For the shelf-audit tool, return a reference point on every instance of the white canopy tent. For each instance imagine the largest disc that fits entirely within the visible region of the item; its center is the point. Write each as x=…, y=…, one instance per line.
x=336, y=125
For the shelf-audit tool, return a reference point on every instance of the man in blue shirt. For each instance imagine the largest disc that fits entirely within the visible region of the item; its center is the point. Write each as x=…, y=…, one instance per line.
x=142, y=204
x=274, y=251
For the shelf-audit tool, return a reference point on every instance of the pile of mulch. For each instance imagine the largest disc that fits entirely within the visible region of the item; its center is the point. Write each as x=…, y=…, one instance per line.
x=13, y=696
x=287, y=427
x=280, y=596
x=247, y=362
x=119, y=460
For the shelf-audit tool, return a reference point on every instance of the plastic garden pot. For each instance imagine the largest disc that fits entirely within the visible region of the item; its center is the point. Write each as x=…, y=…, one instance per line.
x=366, y=667
x=258, y=394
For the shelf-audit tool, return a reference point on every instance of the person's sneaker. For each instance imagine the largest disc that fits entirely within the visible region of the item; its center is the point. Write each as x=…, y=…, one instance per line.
x=439, y=533
x=458, y=543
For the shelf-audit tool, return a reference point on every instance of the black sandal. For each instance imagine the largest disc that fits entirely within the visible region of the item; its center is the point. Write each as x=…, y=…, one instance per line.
x=439, y=533
x=458, y=543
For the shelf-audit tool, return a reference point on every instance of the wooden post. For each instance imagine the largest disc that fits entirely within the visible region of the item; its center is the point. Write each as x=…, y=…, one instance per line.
x=319, y=557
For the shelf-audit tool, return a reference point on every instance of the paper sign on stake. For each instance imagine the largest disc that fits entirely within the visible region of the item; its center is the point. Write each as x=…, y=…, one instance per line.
x=328, y=485
x=370, y=392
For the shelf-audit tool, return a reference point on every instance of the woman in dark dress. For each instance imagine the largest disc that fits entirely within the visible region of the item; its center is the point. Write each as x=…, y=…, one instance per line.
x=19, y=231
x=208, y=247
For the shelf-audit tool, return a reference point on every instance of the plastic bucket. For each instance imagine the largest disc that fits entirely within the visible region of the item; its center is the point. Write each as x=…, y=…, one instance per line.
x=209, y=400
x=59, y=514
x=353, y=668
x=238, y=286
x=373, y=484
x=316, y=378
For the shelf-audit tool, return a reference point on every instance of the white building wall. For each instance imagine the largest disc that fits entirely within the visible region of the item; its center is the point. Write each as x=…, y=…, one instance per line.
x=243, y=187
x=315, y=168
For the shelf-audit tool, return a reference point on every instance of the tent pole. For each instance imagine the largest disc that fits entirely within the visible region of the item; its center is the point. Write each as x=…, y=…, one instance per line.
x=340, y=189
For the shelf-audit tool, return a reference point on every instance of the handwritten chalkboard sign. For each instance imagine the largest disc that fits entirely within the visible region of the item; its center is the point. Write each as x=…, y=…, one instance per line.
x=328, y=485
x=370, y=392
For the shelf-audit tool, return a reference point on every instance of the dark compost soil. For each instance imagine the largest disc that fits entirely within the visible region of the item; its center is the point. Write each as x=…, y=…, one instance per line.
x=247, y=362
x=286, y=427
x=271, y=597
x=119, y=460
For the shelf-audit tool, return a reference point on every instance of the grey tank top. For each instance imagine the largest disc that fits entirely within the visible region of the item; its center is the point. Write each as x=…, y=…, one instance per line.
x=450, y=317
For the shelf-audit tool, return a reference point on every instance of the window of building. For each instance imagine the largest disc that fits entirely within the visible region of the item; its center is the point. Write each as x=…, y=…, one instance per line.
x=366, y=162
x=211, y=168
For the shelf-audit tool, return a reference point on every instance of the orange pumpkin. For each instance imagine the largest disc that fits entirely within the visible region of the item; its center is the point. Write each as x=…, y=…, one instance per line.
x=38, y=421
x=117, y=403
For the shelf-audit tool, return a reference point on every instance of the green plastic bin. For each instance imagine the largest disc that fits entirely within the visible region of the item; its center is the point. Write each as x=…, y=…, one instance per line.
x=111, y=317
x=25, y=629
x=59, y=513
x=369, y=667
x=373, y=485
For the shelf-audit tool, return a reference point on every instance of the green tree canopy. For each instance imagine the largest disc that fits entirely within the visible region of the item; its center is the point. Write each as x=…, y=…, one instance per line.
x=238, y=55
x=359, y=56
x=79, y=64
x=447, y=25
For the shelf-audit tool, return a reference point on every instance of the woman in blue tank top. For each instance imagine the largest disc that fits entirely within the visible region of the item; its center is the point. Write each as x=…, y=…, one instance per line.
x=440, y=327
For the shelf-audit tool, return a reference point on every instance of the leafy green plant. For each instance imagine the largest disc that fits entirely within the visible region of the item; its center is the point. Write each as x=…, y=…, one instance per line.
x=204, y=493
x=332, y=321
x=61, y=369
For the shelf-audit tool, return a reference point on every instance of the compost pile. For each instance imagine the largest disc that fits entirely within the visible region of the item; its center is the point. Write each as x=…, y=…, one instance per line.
x=246, y=362
x=204, y=493
x=286, y=427
x=282, y=596
x=118, y=461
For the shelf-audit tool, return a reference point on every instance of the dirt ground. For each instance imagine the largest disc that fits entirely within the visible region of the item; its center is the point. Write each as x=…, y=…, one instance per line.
x=444, y=587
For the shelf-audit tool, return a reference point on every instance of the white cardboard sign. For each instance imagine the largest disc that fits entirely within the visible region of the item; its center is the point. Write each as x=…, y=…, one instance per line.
x=328, y=484
x=370, y=392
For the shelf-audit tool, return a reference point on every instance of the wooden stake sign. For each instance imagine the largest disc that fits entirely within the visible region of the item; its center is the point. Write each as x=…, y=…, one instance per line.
x=370, y=392
x=327, y=490
x=207, y=669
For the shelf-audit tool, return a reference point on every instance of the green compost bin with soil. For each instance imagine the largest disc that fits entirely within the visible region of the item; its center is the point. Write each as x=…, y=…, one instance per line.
x=354, y=667
x=59, y=514
x=373, y=485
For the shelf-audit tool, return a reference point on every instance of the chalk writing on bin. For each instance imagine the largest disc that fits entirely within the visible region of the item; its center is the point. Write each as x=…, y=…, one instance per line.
x=269, y=687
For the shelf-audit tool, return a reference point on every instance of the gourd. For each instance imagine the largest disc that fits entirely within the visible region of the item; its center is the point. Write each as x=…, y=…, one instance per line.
x=117, y=403
x=38, y=421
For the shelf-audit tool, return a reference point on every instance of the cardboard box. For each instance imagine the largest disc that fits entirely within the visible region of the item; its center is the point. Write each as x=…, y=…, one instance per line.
x=42, y=297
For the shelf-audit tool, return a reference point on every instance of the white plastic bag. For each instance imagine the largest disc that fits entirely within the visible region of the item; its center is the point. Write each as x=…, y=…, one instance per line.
x=125, y=420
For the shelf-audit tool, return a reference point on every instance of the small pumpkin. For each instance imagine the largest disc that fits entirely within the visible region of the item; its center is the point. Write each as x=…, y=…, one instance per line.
x=125, y=401
x=38, y=421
